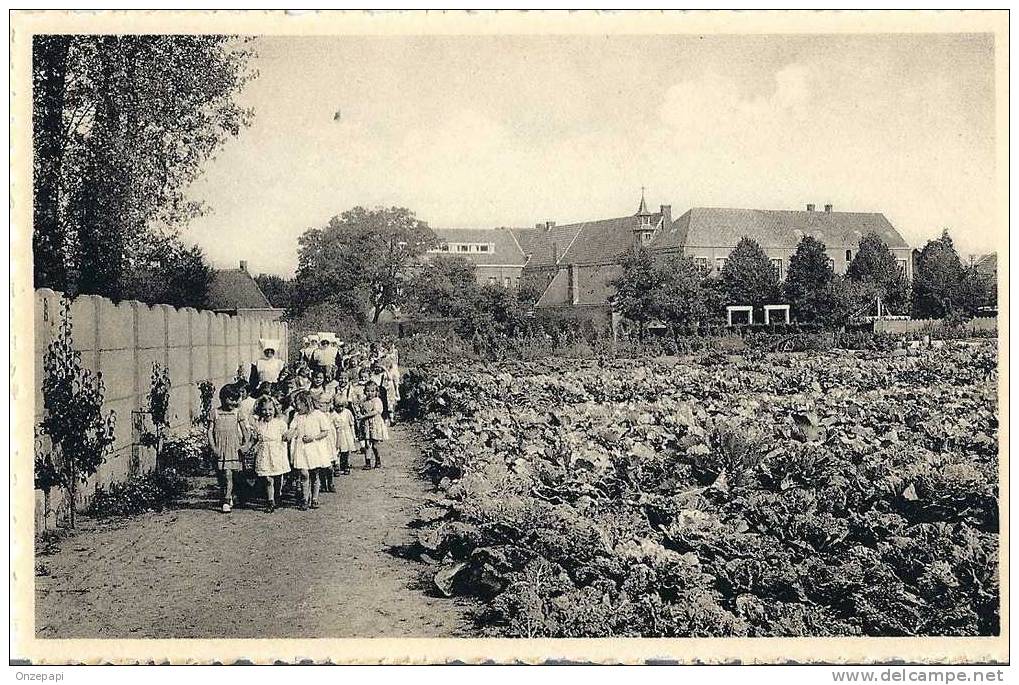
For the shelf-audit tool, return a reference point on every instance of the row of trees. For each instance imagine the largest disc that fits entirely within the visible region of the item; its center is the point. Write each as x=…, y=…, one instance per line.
x=121, y=126
x=672, y=289
x=364, y=262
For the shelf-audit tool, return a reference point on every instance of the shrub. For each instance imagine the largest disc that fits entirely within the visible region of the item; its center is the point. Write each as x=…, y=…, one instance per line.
x=188, y=454
x=153, y=491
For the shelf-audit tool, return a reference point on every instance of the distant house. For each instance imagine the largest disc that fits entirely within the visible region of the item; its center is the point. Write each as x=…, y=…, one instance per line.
x=987, y=265
x=496, y=254
x=987, y=268
x=234, y=291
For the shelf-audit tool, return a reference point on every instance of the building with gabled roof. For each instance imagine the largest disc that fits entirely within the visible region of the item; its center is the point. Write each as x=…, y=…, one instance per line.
x=573, y=265
x=234, y=291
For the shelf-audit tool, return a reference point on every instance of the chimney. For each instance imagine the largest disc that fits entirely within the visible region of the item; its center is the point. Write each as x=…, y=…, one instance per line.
x=573, y=285
x=555, y=253
x=828, y=208
x=244, y=265
x=666, y=211
x=810, y=206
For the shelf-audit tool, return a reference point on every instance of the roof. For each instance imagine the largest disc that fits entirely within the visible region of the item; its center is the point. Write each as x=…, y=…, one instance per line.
x=505, y=248
x=588, y=242
x=235, y=289
x=987, y=264
x=716, y=227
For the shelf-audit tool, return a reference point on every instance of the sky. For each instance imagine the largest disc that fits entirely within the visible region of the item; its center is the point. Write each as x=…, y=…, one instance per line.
x=485, y=131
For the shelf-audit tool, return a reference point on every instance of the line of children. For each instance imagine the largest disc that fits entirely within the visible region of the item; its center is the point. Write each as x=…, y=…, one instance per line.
x=297, y=431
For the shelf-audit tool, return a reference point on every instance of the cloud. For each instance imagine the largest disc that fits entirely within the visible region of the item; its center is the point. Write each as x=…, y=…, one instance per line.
x=715, y=106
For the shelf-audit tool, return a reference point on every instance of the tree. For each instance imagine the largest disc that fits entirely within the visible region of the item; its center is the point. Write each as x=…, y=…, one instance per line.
x=637, y=288
x=941, y=286
x=661, y=287
x=361, y=258
x=161, y=269
x=807, y=279
x=278, y=290
x=845, y=299
x=73, y=402
x=122, y=124
x=444, y=286
x=748, y=276
x=876, y=264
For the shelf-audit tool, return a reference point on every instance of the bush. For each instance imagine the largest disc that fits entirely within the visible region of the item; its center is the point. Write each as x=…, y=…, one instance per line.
x=187, y=454
x=153, y=491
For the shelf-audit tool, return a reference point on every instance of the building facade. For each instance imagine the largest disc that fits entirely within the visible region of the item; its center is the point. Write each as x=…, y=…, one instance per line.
x=573, y=265
x=495, y=253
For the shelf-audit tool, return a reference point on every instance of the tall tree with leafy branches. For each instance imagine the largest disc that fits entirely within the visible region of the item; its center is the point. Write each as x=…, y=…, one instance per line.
x=748, y=276
x=875, y=263
x=807, y=279
x=360, y=260
x=122, y=125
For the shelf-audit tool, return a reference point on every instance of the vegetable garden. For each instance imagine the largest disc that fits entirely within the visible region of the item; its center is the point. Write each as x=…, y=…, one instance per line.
x=815, y=494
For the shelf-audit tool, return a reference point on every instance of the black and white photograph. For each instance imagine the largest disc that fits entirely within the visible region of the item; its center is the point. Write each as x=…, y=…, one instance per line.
x=522, y=327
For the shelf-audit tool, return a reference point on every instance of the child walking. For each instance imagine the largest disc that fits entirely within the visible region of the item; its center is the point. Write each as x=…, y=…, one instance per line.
x=309, y=450
x=374, y=427
x=271, y=463
x=346, y=442
x=228, y=435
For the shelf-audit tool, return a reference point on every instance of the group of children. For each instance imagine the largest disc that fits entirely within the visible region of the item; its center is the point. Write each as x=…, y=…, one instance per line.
x=296, y=431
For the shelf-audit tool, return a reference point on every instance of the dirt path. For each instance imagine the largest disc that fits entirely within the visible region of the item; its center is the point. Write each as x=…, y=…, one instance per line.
x=198, y=573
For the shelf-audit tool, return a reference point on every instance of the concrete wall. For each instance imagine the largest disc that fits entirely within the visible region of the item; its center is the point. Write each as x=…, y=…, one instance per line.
x=122, y=340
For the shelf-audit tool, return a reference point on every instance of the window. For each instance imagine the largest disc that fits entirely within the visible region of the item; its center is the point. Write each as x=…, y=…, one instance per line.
x=491, y=280
x=720, y=263
x=901, y=263
x=702, y=265
x=777, y=264
x=482, y=248
x=505, y=281
x=445, y=248
x=645, y=237
x=645, y=220
x=831, y=264
x=463, y=248
x=849, y=256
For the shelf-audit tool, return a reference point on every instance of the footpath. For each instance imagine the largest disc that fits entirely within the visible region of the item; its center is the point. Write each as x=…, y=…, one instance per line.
x=194, y=572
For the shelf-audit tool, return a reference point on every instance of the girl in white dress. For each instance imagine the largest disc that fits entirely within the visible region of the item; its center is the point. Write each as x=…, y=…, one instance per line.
x=269, y=431
x=309, y=449
x=323, y=392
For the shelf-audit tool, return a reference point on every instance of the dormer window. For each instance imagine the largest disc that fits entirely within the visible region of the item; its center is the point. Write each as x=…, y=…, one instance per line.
x=645, y=220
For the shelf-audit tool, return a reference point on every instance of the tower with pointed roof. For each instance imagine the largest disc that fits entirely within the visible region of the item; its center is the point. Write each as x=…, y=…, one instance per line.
x=643, y=229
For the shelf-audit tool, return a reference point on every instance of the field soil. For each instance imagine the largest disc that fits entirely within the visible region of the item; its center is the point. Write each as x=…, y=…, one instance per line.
x=194, y=572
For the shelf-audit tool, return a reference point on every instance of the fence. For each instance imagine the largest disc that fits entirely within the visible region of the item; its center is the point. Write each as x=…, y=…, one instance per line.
x=898, y=326
x=123, y=340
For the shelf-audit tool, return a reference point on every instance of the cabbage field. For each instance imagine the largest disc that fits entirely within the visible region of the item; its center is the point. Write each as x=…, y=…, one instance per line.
x=816, y=494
